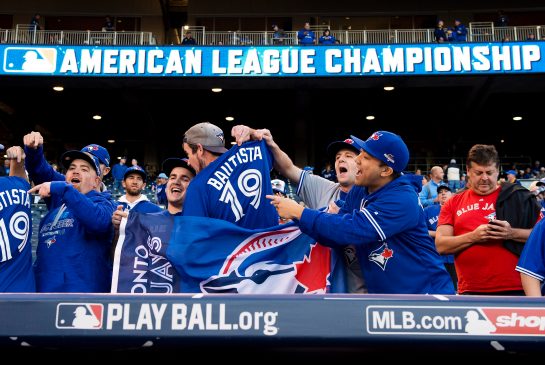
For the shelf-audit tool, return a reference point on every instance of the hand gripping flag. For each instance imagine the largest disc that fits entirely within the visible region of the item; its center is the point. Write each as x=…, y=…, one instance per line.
x=215, y=256
x=140, y=263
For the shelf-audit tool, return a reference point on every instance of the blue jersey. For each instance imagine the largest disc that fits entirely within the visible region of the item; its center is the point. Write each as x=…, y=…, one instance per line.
x=432, y=217
x=532, y=259
x=387, y=227
x=16, y=273
x=74, y=242
x=233, y=188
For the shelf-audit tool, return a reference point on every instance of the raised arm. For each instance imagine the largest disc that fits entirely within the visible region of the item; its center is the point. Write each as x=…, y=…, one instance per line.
x=282, y=162
x=16, y=155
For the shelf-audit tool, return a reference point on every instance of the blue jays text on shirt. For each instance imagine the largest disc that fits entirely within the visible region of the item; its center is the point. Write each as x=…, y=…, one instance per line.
x=244, y=155
x=275, y=61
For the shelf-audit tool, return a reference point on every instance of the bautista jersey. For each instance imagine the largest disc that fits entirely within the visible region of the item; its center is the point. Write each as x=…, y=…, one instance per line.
x=16, y=273
x=233, y=188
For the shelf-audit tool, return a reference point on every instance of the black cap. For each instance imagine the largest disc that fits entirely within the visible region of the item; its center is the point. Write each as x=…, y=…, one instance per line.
x=443, y=187
x=170, y=163
x=336, y=146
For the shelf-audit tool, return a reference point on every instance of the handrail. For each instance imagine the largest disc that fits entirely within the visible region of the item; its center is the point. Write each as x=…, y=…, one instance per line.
x=27, y=35
x=477, y=32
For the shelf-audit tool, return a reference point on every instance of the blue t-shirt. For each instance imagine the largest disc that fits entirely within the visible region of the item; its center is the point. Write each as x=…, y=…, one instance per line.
x=233, y=188
x=16, y=273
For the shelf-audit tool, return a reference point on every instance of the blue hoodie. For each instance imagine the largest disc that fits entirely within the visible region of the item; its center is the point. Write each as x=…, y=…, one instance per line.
x=389, y=231
x=74, y=241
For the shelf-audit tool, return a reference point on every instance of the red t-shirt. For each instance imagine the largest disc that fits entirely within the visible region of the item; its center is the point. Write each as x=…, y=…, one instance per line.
x=485, y=266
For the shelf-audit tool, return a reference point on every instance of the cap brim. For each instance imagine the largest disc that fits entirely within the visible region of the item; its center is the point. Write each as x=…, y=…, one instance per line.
x=138, y=172
x=216, y=149
x=170, y=163
x=335, y=147
x=69, y=156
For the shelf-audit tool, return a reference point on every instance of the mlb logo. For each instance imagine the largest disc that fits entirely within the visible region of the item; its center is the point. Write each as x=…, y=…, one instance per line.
x=30, y=60
x=79, y=316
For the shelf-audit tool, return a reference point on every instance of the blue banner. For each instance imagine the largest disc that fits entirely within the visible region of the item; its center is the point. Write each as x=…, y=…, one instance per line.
x=215, y=256
x=288, y=61
x=140, y=263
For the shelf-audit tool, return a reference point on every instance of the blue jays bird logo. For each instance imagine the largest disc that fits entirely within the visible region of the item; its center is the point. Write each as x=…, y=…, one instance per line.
x=221, y=137
x=375, y=136
x=266, y=263
x=50, y=241
x=381, y=255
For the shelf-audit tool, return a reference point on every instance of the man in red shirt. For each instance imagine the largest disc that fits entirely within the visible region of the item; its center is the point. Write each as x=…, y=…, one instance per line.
x=486, y=226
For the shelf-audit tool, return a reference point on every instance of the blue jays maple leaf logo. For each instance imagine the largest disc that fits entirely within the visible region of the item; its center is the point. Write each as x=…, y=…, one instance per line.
x=381, y=255
x=375, y=136
x=255, y=266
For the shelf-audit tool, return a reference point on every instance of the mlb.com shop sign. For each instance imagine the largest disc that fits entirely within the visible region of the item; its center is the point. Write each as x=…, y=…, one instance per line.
x=164, y=316
x=459, y=321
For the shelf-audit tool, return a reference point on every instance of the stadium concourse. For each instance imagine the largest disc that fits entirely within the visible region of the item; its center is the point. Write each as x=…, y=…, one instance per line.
x=437, y=115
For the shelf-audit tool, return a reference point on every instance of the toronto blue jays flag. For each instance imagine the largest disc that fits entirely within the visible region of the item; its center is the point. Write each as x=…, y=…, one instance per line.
x=216, y=256
x=140, y=263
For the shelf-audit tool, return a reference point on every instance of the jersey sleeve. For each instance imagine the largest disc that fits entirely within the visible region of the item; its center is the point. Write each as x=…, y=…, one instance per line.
x=378, y=221
x=532, y=259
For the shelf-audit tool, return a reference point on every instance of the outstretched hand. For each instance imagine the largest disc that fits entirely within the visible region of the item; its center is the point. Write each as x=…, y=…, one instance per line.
x=286, y=208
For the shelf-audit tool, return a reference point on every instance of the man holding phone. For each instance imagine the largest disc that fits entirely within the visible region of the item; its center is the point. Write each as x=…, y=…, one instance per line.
x=486, y=227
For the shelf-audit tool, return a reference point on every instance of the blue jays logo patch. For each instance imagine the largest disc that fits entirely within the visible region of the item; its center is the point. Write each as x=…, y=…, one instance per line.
x=375, y=136
x=490, y=216
x=50, y=241
x=220, y=136
x=30, y=60
x=381, y=255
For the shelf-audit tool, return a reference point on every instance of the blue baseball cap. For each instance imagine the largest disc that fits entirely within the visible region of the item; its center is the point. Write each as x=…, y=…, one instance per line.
x=99, y=152
x=336, y=146
x=69, y=156
x=162, y=175
x=170, y=163
x=511, y=172
x=387, y=147
x=136, y=170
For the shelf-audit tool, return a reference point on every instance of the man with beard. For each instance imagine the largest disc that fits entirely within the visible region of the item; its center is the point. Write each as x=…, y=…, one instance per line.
x=134, y=181
x=75, y=235
x=317, y=192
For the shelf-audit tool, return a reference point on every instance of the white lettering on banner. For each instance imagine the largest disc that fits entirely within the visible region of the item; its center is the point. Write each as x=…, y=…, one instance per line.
x=187, y=317
x=255, y=61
